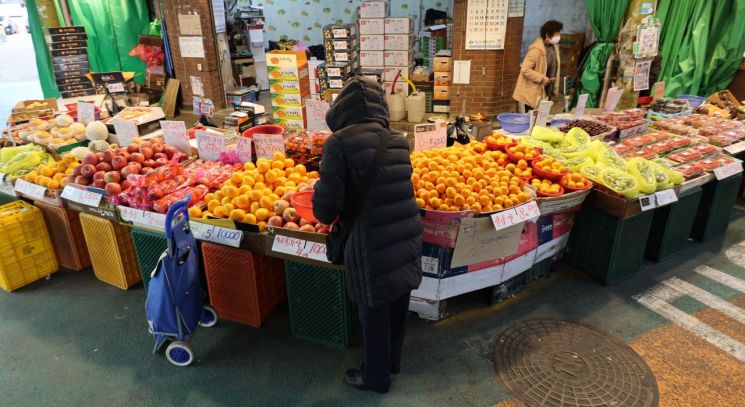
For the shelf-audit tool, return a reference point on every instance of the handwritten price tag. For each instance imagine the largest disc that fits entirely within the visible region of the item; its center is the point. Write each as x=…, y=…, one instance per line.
x=142, y=218
x=126, y=131
x=504, y=219
x=210, y=145
x=648, y=202
x=581, y=103
x=666, y=197
x=544, y=108
x=728, y=170
x=81, y=196
x=528, y=211
x=243, y=148
x=31, y=190
x=116, y=87
x=268, y=144
x=86, y=112
x=736, y=148
x=316, y=111
x=299, y=247
x=216, y=234
x=429, y=136
x=174, y=134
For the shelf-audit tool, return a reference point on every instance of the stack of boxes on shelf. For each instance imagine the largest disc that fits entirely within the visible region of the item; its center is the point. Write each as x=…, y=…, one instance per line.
x=386, y=44
x=289, y=86
x=443, y=68
x=318, y=78
x=68, y=46
x=433, y=41
x=340, y=44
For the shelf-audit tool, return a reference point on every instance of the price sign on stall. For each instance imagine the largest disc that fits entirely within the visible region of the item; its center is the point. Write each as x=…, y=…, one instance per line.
x=431, y=135
x=724, y=171
x=216, y=234
x=316, y=111
x=528, y=211
x=665, y=197
x=648, y=202
x=268, y=144
x=174, y=134
x=299, y=247
x=143, y=218
x=581, y=103
x=736, y=148
x=126, y=131
x=86, y=112
x=544, y=108
x=517, y=215
x=31, y=190
x=243, y=149
x=210, y=145
x=81, y=196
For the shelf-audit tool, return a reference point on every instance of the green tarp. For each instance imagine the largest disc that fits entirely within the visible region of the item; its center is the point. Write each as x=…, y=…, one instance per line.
x=43, y=60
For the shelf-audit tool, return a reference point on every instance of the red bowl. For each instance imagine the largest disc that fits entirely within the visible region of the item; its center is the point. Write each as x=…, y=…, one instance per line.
x=515, y=158
x=568, y=189
x=303, y=204
x=548, y=175
x=561, y=192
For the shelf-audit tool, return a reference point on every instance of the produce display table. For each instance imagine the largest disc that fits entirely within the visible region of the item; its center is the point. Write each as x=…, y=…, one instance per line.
x=671, y=226
x=713, y=214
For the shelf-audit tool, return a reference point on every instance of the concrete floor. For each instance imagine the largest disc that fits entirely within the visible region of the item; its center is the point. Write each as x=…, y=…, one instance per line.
x=72, y=340
x=19, y=79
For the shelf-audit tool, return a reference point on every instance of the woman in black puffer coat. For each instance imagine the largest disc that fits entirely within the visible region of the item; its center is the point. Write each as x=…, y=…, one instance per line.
x=383, y=253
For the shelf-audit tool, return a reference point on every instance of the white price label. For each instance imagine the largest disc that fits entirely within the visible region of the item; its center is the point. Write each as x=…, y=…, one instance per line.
x=216, y=234
x=528, y=211
x=86, y=112
x=581, y=103
x=544, y=108
x=116, y=87
x=648, y=202
x=81, y=196
x=736, y=148
x=174, y=134
x=142, y=218
x=126, y=131
x=728, y=170
x=316, y=114
x=243, y=148
x=299, y=247
x=210, y=145
x=268, y=144
x=31, y=190
x=517, y=215
x=431, y=135
x=665, y=197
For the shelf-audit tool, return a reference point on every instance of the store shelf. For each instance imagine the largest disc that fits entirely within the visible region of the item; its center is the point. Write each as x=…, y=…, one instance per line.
x=320, y=310
x=111, y=250
x=713, y=214
x=672, y=225
x=149, y=246
x=66, y=235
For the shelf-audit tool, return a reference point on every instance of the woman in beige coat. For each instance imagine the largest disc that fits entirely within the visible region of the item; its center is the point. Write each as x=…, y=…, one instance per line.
x=539, y=72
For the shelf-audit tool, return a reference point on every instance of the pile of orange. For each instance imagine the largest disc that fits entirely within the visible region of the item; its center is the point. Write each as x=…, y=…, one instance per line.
x=250, y=195
x=546, y=187
x=524, y=152
x=499, y=140
x=53, y=176
x=462, y=178
x=574, y=180
x=551, y=166
x=521, y=169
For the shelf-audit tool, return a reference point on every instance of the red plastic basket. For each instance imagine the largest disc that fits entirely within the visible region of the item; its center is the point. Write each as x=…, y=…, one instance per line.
x=303, y=204
x=548, y=175
x=568, y=189
x=244, y=287
x=515, y=158
x=561, y=192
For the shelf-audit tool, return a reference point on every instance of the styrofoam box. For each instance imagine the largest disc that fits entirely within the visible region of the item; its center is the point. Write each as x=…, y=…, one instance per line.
x=398, y=58
x=401, y=86
x=372, y=58
x=372, y=42
x=397, y=25
x=399, y=42
x=372, y=26
x=389, y=74
x=374, y=9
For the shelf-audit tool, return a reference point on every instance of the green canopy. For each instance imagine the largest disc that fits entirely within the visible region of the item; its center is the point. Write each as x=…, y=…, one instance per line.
x=43, y=60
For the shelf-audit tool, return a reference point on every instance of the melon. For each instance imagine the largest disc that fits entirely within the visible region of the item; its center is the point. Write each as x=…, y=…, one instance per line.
x=96, y=131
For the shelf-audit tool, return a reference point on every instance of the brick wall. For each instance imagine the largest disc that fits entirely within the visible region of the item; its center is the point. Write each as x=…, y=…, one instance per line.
x=186, y=67
x=493, y=73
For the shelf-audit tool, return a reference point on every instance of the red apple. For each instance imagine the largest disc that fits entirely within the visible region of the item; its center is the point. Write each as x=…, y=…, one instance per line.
x=137, y=157
x=82, y=180
x=99, y=175
x=161, y=162
x=147, y=151
x=145, y=144
x=307, y=228
x=160, y=155
x=149, y=163
x=118, y=163
x=88, y=170
x=99, y=183
x=146, y=170
x=275, y=221
x=170, y=151
x=290, y=215
x=112, y=177
x=126, y=171
x=132, y=148
x=304, y=222
x=157, y=148
x=113, y=188
x=71, y=179
x=109, y=155
x=103, y=166
x=91, y=159
x=291, y=226
x=77, y=170
x=126, y=184
x=136, y=167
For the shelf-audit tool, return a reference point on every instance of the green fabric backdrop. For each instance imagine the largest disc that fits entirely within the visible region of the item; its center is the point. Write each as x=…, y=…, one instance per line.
x=701, y=44
x=43, y=60
x=606, y=17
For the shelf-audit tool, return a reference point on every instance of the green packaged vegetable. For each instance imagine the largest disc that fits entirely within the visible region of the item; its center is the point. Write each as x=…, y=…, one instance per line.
x=8, y=153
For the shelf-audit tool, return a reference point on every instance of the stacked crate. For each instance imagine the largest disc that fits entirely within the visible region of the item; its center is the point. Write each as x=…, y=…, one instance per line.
x=69, y=49
x=340, y=44
x=433, y=41
x=443, y=67
x=289, y=86
x=318, y=78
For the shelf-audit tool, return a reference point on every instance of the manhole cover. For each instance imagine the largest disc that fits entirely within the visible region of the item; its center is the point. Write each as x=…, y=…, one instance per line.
x=559, y=363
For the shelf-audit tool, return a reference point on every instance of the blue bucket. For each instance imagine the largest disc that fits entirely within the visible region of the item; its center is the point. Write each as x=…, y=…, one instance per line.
x=514, y=122
x=693, y=100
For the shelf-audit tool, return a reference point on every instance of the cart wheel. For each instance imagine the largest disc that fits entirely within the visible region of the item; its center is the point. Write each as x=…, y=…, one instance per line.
x=179, y=353
x=209, y=317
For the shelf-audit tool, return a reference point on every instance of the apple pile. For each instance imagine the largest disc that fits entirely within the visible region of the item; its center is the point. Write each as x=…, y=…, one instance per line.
x=110, y=169
x=285, y=216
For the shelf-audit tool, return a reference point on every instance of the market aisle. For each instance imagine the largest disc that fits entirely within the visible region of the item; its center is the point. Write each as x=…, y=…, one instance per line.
x=72, y=340
x=18, y=75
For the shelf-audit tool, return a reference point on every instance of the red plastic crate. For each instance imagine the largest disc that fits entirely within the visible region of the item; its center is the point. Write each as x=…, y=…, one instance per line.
x=244, y=287
x=66, y=235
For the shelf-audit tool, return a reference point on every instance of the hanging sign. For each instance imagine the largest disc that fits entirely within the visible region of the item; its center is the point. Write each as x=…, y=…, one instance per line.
x=544, y=108
x=81, y=196
x=31, y=190
x=430, y=135
x=268, y=144
x=126, y=131
x=174, y=134
x=86, y=112
x=216, y=234
x=641, y=75
x=209, y=145
x=581, y=103
x=243, y=148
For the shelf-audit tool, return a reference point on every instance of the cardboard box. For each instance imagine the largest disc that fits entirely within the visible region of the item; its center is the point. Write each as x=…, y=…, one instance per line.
x=289, y=123
x=155, y=77
x=286, y=59
x=68, y=45
x=441, y=106
x=399, y=42
x=401, y=87
x=372, y=58
x=617, y=206
x=341, y=56
x=344, y=44
x=441, y=93
x=390, y=72
x=288, y=112
x=315, y=68
x=436, y=262
x=443, y=61
x=336, y=83
x=69, y=52
x=372, y=42
x=287, y=73
x=71, y=59
x=66, y=30
x=338, y=69
x=479, y=242
x=284, y=99
x=374, y=9
x=41, y=106
x=290, y=87
x=398, y=58
x=339, y=31
x=442, y=78
x=398, y=25
x=373, y=72
x=372, y=26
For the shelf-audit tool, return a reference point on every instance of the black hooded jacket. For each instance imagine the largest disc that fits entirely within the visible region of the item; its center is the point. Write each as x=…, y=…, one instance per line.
x=383, y=253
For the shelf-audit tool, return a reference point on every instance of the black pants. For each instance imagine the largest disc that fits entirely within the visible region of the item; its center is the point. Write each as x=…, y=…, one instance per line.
x=383, y=332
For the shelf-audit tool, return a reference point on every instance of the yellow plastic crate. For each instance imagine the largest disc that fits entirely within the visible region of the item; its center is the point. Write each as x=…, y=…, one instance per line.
x=26, y=253
x=111, y=250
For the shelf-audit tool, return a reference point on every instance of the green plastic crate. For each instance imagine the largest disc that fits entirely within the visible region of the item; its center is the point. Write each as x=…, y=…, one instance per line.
x=7, y=198
x=320, y=310
x=713, y=214
x=606, y=247
x=149, y=246
x=672, y=225
x=519, y=282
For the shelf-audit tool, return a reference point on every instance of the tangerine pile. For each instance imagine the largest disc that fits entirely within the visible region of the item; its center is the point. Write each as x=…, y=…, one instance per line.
x=521, y=169
x=575, y=181
x=462, y=178
x=500, y=140
x=250, y=195
x=522, y=151
x=53, y=176
x=546, y=186
x=550, y=165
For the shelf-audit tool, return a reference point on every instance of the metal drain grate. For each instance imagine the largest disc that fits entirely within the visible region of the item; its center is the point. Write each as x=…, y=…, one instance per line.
x=559, y=363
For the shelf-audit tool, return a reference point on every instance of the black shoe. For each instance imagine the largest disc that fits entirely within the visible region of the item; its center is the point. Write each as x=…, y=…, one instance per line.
x=353, y=378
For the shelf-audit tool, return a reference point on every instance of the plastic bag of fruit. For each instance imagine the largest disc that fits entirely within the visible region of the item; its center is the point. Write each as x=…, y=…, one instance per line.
x=547, y=134
x=619, y=182
x=640, y=169
x=661, y=174
x=676, y=177
x=578, y=137
x=576, y=164
x=197, y=194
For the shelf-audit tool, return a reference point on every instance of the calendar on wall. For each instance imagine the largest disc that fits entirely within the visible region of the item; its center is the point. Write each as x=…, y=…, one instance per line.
x=486, y=24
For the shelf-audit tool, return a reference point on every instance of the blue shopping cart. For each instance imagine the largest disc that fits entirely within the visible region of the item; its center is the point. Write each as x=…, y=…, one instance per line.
x=175, y=305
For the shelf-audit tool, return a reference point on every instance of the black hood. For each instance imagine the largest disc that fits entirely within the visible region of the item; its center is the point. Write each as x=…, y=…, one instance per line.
x=361, y=101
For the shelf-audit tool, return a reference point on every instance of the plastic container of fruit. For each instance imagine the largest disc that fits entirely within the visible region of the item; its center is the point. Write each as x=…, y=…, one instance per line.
x=515, y=158
x=303, y=204
x=585, y=188
x=548, y=175
x=546, y=195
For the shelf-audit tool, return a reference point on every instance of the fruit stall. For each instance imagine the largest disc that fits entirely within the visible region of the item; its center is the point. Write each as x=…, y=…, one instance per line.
x=602, y=191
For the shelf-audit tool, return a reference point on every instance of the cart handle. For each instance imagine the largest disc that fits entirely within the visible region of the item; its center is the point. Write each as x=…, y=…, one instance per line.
x=176, y=210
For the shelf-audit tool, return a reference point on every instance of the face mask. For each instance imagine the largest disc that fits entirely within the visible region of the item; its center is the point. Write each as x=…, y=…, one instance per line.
x=555, y=39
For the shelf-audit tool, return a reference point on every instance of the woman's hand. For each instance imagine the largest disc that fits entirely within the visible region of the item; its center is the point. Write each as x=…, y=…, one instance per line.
x=545, y=81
